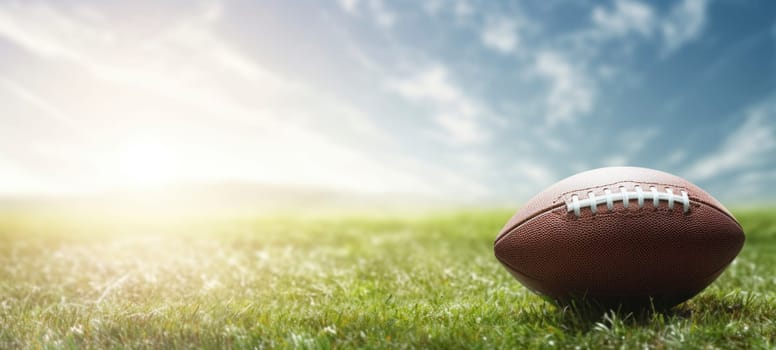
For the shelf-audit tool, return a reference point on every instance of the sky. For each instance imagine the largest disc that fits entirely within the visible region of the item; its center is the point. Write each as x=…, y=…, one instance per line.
x=453, y=99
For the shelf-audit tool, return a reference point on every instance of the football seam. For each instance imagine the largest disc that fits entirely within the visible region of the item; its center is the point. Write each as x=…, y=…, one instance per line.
x=563, y=194
x=611, y=184
x=517, y=224
x=638, y=212
x=724, y=212
x=576, y=205
x=558, y=205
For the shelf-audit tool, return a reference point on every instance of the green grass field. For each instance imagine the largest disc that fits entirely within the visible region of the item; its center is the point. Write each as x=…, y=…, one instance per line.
x=333, y=282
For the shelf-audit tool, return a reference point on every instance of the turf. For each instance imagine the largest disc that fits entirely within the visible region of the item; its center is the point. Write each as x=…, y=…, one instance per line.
x=425, y=281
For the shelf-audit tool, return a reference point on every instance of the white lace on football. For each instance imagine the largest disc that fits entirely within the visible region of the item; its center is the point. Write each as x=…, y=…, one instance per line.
x=592, y=201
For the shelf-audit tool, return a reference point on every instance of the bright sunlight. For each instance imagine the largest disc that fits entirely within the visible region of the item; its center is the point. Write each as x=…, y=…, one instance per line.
x=147, y=162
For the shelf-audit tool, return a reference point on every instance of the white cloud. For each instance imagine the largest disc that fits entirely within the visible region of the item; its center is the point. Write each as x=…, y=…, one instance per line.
x=753, y=185
x=431, y=84
x=462, y=129
x=536, y=173
x=528, y=177
x=39, y=103
x=676, y=157
x=757, y=177
x=752, y=143
x=432, y=7
x=626, y=17
x=458, y=114
x=571, y=93
x=381, y=14
x=628, y=144
x=462, y=8
x=616, y=160
x=220, y=108
x=578, y=166
x=70, y=33
x=375, y=10
x=349, y=6
x=500, y=34
x=633, y=141
x=683, y=24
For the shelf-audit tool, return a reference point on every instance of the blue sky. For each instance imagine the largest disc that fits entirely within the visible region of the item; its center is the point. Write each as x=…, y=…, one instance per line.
x=456, y=99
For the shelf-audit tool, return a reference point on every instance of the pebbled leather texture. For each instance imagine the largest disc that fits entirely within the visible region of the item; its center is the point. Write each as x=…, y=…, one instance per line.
x=627, y=253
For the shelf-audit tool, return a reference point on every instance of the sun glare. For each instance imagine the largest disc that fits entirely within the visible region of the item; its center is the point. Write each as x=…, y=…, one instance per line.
x=146, y=163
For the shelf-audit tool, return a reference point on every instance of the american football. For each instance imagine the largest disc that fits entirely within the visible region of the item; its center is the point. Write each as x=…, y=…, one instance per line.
x=620, y=235
x=213, y=174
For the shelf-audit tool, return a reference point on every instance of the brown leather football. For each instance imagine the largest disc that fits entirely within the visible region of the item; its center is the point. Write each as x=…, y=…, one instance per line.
x=620, y=235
